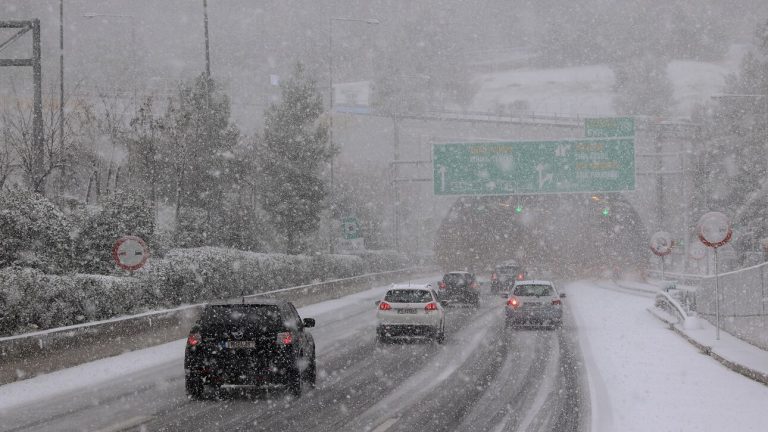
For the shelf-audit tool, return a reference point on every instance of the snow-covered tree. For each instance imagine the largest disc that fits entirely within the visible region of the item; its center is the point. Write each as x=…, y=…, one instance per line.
x=122, y=214
x=198, y=136
x=33, y=232
x=733, y=157
x=293, y=152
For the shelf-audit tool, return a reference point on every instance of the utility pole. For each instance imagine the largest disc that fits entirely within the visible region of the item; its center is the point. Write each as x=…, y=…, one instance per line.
x=207, y=43
x=395, y=174
x=659, y=177
x=61, y=77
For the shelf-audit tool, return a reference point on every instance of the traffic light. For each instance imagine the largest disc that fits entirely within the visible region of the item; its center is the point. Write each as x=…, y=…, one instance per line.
x=606, y=211
x=519, y=208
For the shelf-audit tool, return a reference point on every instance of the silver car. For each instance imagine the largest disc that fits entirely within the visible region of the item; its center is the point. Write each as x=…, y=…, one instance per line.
x=534, y=302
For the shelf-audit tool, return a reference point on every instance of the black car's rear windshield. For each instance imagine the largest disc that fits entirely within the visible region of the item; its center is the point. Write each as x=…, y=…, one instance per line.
x=253, y=317
x=533, y=290
x=455, y=279
x=408, y=296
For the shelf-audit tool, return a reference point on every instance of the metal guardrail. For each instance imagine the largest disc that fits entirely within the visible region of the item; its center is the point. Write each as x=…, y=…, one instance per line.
x=26, y=355
x=670, y=305
x=690, y=280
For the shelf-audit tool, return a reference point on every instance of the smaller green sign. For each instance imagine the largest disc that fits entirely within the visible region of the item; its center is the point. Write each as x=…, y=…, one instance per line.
x=609, y=127
x=350, y=228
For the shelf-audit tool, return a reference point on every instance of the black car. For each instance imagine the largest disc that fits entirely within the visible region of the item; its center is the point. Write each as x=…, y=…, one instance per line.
x=505, y=276
x=459, y=287
x=256, y=342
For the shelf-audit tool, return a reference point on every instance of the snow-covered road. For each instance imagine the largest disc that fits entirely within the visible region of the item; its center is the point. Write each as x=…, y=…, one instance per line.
x=634, y=375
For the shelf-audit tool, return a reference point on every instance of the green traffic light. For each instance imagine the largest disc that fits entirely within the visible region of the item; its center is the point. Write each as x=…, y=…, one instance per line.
x=606, y=211
x=519, y=209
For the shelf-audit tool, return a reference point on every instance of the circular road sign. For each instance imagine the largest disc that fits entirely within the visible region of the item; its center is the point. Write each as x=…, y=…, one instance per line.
x=130, y=252
x=697, y=250
x=661, y=243
x=714, y=229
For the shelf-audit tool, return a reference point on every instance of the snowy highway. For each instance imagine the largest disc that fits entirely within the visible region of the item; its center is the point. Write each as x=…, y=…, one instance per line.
x=484, y=378
x=612, y=366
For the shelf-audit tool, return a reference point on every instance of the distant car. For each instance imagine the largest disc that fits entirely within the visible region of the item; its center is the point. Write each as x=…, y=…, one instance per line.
x=249, y=342
x=410, y=311
x=505, y=275
x=459, y=287
x=534, y=302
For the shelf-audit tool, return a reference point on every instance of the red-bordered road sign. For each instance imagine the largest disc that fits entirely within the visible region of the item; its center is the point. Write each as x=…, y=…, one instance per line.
x=714, y=229
x=661, y=243
x=130, y=252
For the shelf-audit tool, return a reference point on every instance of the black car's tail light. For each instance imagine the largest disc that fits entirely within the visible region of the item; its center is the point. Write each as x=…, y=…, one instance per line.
x=194, y=339
x=284, y=338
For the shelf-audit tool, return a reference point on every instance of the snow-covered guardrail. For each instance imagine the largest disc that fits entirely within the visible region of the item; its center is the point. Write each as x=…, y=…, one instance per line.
x=688, y=279
x=668, y=303
x=30, y=354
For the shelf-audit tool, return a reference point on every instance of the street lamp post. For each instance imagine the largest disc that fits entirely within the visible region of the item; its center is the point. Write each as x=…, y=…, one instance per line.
x=371, y=21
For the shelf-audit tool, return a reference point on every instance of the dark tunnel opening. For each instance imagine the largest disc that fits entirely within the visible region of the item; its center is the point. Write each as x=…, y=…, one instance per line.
x=568, y=234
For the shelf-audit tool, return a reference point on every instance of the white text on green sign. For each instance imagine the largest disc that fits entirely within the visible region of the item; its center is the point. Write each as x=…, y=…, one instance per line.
x=609, y=127
x=505, y=168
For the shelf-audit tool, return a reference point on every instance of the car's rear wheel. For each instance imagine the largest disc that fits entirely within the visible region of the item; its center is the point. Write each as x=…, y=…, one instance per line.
x=294, y=383
x=440, y=335
x=194, y=386
x=310, y=373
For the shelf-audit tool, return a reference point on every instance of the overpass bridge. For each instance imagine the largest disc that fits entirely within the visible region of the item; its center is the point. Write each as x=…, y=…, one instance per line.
x=402, y=143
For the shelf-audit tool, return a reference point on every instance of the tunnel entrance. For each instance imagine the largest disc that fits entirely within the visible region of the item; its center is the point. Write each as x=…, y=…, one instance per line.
x=568, y=234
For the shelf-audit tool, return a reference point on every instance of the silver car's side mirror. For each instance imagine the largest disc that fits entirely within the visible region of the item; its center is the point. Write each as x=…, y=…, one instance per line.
x=562, y=295
x=504, y=295
x=378, y=302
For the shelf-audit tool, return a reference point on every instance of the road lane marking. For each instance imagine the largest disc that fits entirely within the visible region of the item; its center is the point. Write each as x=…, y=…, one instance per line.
x=386, y=425
x=126, y=424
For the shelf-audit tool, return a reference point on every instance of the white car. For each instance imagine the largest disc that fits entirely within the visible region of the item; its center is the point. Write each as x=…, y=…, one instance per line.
x=534, y=302
x=410, y=311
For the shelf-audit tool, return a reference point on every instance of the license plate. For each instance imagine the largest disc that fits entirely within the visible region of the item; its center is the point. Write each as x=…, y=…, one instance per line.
x=406, y=311
x=240, y=344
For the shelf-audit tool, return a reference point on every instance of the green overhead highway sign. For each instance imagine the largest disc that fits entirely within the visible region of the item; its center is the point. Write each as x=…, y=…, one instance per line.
x=609, y=127
x=532, y=167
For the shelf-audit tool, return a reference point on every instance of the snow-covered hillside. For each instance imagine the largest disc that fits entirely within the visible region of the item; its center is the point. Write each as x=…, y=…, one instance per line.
x=587, y=90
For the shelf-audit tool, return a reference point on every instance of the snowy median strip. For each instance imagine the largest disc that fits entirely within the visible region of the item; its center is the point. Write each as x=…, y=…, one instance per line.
x=734, y=353
x=643, y=370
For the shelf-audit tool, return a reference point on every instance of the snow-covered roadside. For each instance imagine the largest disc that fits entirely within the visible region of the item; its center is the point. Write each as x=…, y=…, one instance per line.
x=100, y=371
x=654, y=380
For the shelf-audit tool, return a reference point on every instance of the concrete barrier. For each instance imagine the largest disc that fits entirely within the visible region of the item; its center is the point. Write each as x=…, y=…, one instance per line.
x=31, y=354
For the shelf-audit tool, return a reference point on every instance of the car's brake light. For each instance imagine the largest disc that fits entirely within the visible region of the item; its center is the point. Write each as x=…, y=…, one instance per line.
x=520, y=276
x=514, y=302
x=284, y=338
x=194, y=339
x=384, y=306
x=556, y=302
x=441, y=285
x=430, y=307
